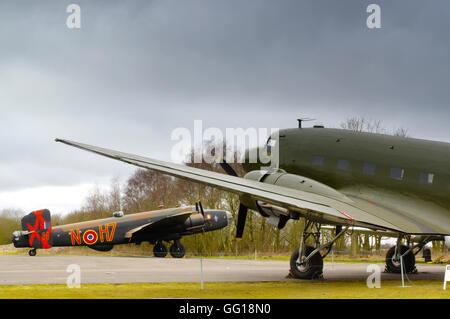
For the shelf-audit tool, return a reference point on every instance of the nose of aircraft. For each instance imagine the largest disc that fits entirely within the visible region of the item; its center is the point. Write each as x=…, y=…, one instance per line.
x=229, y=217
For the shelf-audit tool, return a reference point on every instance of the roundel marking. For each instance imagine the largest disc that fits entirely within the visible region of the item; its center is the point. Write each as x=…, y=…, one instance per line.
x=90, y=237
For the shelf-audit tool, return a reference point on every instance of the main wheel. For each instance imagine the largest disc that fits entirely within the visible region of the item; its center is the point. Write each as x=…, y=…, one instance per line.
x=177, y=250
x=160, y=250
x=32, y=252
x=309, y=270
x=393, y=265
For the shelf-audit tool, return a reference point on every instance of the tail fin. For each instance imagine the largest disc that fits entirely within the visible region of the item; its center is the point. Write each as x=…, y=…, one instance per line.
x=39, y=226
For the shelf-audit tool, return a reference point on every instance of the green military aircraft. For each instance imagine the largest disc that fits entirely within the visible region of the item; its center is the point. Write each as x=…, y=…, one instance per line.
x=336, y=177
x=157, y=226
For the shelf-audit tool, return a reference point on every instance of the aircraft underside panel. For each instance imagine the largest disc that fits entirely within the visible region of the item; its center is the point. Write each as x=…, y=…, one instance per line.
x=411, y=215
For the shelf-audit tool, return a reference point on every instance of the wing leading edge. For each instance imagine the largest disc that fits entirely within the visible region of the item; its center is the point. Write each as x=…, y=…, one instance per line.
x=344, y=210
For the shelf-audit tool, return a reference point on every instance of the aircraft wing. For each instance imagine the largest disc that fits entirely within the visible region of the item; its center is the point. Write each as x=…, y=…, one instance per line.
x=168, y=221
x=342, y=210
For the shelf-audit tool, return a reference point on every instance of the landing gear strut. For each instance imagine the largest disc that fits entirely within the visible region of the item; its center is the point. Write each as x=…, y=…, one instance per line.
x=393, y=263
x=306, y=261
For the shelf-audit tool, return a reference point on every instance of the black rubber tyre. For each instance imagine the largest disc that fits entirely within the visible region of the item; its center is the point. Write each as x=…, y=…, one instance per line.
x=312, y=269
x=177, y=250
x=32, y=252
x=160, y=250
x=409, y=261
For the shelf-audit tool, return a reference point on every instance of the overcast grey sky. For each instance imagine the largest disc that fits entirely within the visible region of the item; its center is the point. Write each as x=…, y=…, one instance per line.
x=136, y=70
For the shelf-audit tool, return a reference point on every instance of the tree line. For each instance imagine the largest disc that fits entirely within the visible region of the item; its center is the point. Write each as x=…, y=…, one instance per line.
x=147, y=190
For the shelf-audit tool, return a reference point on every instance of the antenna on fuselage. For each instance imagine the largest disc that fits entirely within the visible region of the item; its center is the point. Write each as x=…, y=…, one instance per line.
x=303, y=120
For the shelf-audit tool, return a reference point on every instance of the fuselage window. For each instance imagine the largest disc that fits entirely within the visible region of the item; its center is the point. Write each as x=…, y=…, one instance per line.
x=343, y=164
x=426, y=178
x=369, y=169
x=318, y=160
x=397, y=173
x=270, y=144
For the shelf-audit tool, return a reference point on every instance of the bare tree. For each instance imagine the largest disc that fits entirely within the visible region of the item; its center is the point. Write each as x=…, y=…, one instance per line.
x=402, y=132
x=361, y=124
x=9, y=222
x=115, y=196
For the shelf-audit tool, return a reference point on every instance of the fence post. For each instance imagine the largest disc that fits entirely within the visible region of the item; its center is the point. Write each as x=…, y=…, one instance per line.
x=332, y=258
x=401, y=270
x=201, y=273
x=447, y=276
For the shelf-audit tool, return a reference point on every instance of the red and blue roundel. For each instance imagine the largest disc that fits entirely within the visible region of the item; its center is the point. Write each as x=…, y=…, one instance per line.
x=90, y=237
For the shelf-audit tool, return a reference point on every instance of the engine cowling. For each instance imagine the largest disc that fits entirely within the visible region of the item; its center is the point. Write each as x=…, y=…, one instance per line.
x=194, y=221
x=281, y=178
x=278, y=216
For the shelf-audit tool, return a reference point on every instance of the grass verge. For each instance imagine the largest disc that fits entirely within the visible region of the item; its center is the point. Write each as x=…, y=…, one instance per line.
x=254, y=290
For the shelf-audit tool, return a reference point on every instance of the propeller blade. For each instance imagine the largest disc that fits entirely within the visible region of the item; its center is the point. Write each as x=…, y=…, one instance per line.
x=199, y=208
x=242, y=216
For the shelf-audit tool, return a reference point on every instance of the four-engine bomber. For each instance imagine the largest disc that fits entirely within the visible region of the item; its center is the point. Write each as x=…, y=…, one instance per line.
x=156, y=227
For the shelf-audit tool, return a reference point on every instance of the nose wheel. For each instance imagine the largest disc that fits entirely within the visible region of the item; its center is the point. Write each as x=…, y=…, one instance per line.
x=32, y=252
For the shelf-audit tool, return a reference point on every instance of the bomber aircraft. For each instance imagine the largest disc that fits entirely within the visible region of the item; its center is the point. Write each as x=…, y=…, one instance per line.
x=335, y=177
x=102, y=234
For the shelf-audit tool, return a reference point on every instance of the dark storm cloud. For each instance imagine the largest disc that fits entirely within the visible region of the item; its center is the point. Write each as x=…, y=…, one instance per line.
x=137, y=70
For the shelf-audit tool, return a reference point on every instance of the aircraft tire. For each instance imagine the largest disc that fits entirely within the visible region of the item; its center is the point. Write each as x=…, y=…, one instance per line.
x=160, y=250
x=32, y=252
x=177, y=250
x=409, y=261
x=312, y=270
